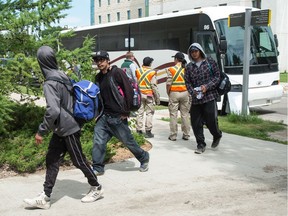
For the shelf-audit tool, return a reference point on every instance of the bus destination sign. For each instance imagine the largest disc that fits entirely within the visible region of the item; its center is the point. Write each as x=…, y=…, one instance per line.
x=258, y=18
x=261, y=18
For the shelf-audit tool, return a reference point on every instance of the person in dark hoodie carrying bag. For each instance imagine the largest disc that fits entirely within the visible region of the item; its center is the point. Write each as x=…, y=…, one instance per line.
x=66, y=132
x=202, y=86
x=114, y=121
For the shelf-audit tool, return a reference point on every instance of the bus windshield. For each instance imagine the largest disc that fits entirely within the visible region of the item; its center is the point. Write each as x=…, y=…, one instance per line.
x=263, y=49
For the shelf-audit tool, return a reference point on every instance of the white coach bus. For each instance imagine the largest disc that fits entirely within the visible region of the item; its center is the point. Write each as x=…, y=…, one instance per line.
x=160, y=37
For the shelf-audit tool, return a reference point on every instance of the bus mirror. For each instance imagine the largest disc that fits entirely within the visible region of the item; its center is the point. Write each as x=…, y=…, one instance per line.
x=223, y=45
x=127, y=42
x=276, y=40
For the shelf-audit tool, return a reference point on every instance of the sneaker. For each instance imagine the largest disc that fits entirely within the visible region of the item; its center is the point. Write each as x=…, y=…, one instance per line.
x=172, y=139
x=149, y=134
x=144, y=166
x=199, y=150
x=216, y=142
x=41, y=201
x=98, y=173
x=94, y=194
x=185, y=137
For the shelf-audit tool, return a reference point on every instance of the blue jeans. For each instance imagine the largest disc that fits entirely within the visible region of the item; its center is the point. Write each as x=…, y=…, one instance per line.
x=106, y=127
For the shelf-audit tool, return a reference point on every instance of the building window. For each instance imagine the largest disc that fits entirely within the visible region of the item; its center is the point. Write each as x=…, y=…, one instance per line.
x=108, y=2
x=99, y=20
x=118, y=16
x=256, y=3
x=99, y=1
x=139, y=12
x=118, y=1
x=128, y=14
x=108, y=18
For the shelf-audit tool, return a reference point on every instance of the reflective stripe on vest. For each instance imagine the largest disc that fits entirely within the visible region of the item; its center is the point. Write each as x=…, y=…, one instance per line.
x=144, y=80
x=178, y=82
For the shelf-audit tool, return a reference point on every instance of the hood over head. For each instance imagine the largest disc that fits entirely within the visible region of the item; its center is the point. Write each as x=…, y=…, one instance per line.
x=195, y=46
x=48, y=63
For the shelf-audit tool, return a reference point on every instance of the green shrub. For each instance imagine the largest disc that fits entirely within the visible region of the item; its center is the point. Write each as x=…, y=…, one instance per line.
x=18, y=149
x=5, y=115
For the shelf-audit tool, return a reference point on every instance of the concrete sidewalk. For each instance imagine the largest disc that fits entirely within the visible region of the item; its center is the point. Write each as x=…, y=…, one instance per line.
x=243, y=177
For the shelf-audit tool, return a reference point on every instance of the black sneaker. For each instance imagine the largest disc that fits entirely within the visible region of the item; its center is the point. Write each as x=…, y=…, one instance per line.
x=149, y=134
x=199, y=150
x=139, y=131
x=216, y=142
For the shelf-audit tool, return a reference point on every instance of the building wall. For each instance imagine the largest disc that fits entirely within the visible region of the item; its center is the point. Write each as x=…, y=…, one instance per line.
x=114, y=7
x=168, y=6
x=279, y=10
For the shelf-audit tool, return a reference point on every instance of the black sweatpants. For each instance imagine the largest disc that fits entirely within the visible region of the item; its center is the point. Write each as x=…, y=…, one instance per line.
x=58, y=146
x=201, y=114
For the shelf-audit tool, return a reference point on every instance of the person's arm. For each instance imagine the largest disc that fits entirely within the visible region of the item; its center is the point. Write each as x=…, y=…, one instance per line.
x=169, y=81
x=155, y=90
x=215, y=77
x=52, y=96
x=188, y=81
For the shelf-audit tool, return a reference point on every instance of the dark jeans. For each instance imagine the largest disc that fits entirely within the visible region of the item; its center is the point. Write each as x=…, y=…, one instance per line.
x=58, y=146
x=106, y=127
x=204, y=114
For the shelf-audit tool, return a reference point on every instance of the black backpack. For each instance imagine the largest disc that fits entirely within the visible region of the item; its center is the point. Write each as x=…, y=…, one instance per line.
x=119, y=93
x=224, y=85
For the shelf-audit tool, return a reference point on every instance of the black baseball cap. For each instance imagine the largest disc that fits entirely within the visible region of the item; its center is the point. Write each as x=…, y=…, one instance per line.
x=101, y=54
x=147, y=61
x=179, y=55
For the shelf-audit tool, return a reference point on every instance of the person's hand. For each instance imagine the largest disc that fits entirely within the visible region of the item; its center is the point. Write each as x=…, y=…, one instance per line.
x=203, y=88
x=38, y=139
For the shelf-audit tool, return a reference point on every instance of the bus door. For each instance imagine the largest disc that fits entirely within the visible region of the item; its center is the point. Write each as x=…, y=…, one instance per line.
x=206, y=40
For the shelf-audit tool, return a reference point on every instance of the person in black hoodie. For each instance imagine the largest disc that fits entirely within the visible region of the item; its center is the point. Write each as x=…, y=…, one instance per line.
x=117, y=94
x=66, y=131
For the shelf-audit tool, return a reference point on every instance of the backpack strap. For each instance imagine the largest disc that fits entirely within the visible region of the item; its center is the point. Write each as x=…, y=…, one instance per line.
x=210, y=68
x=57, y=79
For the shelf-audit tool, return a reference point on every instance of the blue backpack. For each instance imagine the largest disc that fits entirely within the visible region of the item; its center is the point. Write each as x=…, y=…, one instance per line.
x=86, y=100
x=86, y=97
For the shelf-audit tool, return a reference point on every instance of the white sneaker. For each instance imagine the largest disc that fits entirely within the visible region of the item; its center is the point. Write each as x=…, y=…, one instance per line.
x=41, y=201
x=94, y=194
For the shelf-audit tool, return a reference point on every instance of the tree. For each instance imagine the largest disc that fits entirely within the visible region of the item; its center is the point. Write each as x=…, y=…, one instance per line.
x=25, y=25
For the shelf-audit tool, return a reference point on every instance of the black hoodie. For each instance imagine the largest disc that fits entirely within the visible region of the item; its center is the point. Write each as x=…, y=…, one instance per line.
x=57, y=96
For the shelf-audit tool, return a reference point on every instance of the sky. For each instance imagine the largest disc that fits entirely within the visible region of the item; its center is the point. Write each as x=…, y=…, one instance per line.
x=78, y=15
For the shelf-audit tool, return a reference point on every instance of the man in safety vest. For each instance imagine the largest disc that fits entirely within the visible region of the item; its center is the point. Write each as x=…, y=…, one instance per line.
x=147, y=82
x=179, y=98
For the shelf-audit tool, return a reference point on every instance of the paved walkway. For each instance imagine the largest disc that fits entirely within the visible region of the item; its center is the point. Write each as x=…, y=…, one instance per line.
x=243, y=177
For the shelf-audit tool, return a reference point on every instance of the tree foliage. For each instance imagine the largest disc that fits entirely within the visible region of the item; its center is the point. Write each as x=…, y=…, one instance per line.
x=25, y=25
